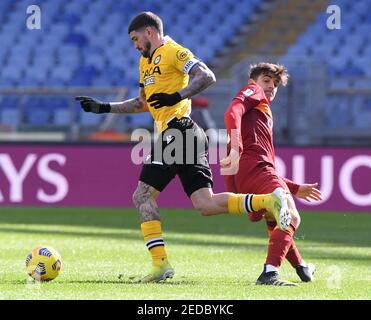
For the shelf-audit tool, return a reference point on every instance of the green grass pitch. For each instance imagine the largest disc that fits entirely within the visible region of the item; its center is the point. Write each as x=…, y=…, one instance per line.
x=216, y=257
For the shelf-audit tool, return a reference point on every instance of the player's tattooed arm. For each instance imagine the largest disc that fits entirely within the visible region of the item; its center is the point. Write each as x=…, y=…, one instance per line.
x=144, y=199
x=203, y=77
x=134, y=105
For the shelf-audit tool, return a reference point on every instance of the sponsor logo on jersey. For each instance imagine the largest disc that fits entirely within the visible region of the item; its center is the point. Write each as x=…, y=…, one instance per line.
x=148, y=81
x=157, y=59
x=151, y=71
x=183, y=54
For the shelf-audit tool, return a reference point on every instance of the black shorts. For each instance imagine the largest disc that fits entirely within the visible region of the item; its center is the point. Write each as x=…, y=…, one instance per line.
x=181, y=149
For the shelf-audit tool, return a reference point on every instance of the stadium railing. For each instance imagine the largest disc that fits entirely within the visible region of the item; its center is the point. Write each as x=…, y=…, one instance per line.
x=51, y=114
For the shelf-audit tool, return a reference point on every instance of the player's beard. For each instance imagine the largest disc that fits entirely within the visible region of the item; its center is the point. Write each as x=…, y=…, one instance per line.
x=147, y=49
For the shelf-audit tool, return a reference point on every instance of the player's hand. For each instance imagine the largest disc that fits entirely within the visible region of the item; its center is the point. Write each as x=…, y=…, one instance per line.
x=309, y=192
x=159, y=100
x=230, y=164
x=93, y=105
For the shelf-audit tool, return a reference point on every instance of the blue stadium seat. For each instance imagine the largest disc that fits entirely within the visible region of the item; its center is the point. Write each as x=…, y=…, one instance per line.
x=90, y=119
x=37, y=115
x=62, y=117
x=9, y=116
x=93, y=49
x=66, y=28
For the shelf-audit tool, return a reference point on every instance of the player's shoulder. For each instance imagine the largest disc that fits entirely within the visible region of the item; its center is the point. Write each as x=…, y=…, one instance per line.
x=171, y=44
x=173, y=47
x=251, y=90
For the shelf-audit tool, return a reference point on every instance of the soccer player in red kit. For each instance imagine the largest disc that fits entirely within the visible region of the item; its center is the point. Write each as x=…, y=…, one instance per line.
x=250, y=167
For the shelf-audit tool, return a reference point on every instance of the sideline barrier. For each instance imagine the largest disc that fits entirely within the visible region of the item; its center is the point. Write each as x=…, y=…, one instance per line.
x=104, y=176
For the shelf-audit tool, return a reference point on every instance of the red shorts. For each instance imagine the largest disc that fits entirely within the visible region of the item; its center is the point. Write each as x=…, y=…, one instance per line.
x=258, y=179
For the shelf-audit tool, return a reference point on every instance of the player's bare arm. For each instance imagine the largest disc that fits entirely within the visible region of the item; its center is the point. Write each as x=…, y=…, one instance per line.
x=203, y=78
x=144, y=199
x=309, y=192
x=134, y=105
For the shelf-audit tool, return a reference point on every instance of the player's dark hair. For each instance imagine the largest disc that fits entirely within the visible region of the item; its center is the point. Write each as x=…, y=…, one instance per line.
x=277, y=71
x=146, y=19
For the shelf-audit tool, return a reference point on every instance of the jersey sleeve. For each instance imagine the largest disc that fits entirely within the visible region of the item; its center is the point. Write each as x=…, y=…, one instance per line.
x=245, y=100
x=184, y=60
x=232, y=120
x=293, y=187
x=251, y=96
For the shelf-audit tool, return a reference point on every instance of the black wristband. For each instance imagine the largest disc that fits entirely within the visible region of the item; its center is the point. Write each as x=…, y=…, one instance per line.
x=105, y=108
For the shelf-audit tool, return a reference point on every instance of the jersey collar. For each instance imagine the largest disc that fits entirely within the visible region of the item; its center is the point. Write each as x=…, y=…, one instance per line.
x=166, y=40
x=150, y=58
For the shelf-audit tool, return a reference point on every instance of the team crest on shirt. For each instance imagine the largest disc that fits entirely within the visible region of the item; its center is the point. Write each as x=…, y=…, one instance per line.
x=157, y=59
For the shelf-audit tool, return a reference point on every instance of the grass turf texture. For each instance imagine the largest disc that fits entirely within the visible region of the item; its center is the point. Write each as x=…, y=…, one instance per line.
x=214, y=257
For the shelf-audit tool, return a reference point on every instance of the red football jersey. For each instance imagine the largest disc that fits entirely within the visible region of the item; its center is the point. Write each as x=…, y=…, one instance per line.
x=250, y=115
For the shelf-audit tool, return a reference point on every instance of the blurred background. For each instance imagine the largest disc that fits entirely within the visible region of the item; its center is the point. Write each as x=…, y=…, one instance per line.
x=82, y=48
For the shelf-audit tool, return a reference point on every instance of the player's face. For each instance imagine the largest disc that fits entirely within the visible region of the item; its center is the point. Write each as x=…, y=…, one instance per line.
x=141, y=42
x=269, y=85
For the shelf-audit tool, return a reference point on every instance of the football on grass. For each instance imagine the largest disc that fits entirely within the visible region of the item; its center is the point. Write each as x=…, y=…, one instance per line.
x=44, y=263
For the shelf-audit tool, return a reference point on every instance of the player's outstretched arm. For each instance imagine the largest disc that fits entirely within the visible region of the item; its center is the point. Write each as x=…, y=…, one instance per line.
x=89, y=104
x=134, y=105
x=309, y=192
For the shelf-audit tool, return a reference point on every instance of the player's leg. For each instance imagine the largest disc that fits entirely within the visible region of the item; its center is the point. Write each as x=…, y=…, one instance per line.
x=257, y=182
x=196, y=178
x=231, y=187
x=153, y=179
x=304, y=270
x=209, y=203
x=279, y=244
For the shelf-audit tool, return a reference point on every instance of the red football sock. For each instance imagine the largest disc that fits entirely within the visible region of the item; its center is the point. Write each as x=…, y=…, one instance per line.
x=279, y=244
x=293, y=256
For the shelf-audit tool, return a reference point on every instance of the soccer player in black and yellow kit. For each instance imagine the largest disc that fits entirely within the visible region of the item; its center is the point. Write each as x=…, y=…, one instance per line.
x=165, y=89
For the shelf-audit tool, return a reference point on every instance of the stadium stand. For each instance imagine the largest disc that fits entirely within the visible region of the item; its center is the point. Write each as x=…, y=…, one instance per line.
x=346, y=53
x=84, y=44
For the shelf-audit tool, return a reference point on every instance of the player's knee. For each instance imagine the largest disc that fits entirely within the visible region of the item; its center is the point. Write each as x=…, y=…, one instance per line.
x=295, y=218
x=203, y=208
